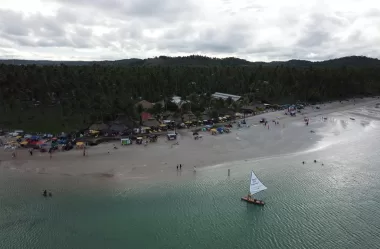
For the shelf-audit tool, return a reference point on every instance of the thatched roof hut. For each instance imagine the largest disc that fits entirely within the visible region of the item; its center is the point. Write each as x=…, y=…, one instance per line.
x=167, y=114
x=117, y=126
x=151, y=123
x=98, y=126
x=145, y=104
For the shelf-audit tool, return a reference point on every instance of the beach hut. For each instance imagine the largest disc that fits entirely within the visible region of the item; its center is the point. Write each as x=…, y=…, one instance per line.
x=127, y=121
x=98, y=126
x=117, y=126
x=151, y=123
x=145, y=104
x=94, y=132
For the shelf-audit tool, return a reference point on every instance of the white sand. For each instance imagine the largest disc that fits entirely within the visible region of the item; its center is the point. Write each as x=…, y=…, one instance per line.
x=161, y=158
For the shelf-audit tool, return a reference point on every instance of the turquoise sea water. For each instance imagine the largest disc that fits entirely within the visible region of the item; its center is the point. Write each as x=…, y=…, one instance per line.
x=334, y=205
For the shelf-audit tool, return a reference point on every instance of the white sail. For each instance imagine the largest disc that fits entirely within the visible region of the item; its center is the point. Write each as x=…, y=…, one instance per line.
x=256, y=186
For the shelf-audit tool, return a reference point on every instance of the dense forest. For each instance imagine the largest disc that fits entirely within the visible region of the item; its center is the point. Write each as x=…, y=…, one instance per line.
x=41, y=96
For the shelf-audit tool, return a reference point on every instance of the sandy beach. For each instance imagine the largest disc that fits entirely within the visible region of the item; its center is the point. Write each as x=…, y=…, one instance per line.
x=159, y=159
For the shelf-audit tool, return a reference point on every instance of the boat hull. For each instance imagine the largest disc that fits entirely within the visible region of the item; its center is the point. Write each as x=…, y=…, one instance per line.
x=253, y=201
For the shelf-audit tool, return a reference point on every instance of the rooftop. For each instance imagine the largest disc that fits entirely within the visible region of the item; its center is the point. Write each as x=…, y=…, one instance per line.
x=226, y=96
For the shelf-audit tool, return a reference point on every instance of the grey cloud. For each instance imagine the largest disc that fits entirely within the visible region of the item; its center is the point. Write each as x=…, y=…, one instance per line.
x=314, y=38
x=373, y=13
x=320, y=30
x=80, y=17
x=41, y=31
x=52, y=43
x=186, y=38
x=82, y=31
x=125, y=22
x=161, y=10
x=9, y=23
x=15, y=23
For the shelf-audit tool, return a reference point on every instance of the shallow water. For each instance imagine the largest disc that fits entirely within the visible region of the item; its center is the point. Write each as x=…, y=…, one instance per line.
x=334, y=205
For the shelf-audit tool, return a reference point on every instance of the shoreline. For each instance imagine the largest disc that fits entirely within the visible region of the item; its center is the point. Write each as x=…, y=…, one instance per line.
x=290, y=137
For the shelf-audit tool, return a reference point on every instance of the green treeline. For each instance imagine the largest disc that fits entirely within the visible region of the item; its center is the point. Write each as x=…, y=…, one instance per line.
x=74, y=96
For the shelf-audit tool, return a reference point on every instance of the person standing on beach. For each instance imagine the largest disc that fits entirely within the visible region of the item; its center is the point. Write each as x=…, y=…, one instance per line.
x=180, y=166
x=177, y=166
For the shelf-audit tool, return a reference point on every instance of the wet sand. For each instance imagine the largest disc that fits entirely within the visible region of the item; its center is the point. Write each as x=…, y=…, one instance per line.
x=160, y=159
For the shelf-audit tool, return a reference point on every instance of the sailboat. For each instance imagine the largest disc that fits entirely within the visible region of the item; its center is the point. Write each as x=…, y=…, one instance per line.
x=255, y=187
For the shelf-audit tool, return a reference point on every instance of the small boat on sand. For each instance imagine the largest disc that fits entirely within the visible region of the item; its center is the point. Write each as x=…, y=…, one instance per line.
x=255, y=187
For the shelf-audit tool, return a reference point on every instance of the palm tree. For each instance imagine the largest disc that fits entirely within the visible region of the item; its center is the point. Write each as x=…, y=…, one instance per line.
x=193, y=98
x=139, y=111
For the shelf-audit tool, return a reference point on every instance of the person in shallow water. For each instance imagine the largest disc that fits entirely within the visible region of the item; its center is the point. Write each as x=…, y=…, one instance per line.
x=44, y=193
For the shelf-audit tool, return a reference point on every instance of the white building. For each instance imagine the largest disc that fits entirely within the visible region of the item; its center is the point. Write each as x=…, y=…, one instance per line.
x=225, y=96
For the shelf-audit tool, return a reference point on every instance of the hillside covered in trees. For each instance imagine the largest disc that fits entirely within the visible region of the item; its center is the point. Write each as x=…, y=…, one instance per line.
x=74, y=96
x=196, y=60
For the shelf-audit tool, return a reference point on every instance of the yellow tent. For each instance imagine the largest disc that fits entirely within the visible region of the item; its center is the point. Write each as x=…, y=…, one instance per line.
x=163, y=125
x=24, y=143
x=79, y=143
x=213, y=130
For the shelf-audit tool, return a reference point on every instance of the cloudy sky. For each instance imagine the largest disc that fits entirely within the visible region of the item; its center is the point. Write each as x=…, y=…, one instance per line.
x=263, y=30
